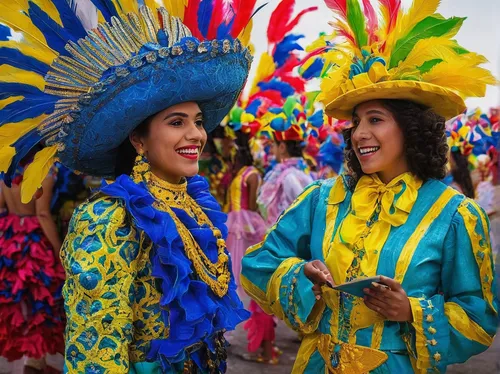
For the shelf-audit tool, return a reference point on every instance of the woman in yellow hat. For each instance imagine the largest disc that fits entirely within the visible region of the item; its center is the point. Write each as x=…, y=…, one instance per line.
x=427, y=300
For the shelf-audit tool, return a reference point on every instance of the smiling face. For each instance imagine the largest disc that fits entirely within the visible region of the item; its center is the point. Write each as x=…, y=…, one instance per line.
x=173, y=142
x=378, y=141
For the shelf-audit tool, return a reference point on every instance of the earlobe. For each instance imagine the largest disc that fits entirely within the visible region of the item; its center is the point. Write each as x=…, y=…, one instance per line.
x=136, y=142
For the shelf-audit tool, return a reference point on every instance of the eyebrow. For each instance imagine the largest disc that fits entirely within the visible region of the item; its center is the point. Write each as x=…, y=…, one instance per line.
x=180, y=114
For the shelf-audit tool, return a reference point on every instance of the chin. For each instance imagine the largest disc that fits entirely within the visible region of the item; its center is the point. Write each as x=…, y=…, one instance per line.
x=191, y=172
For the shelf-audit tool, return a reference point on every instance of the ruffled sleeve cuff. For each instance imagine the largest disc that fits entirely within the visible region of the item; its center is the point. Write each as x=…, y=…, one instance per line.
x=431, y=333
x=297, y=304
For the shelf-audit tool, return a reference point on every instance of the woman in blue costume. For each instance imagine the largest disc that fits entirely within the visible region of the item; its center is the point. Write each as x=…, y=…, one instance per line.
x=389, y=216
x=149, y=287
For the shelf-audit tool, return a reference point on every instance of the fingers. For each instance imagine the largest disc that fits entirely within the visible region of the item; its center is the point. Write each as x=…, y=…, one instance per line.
x=317, y=272
x=384, y=296
x=317, y=291
x=394, y=285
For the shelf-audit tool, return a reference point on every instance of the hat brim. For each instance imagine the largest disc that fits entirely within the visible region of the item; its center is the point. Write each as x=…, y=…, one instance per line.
x=123, y=100
x=443, y=101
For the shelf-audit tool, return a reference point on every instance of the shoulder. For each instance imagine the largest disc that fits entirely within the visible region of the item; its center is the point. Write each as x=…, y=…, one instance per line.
x=98, y=210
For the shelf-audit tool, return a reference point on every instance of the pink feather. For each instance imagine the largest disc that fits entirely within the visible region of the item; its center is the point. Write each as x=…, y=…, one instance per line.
x=372, y=20
x=339, y=6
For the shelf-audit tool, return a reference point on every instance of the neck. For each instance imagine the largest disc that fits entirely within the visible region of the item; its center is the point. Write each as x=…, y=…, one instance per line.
x=172, y=179
x=388, y=176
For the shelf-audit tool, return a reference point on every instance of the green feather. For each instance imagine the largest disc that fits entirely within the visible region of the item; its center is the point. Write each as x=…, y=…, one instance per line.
x=428, y=65
x=356, y=21
x=428, y=27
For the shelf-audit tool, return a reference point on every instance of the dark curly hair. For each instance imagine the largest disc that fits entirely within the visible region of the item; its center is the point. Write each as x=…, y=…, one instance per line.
x=424, y=135
x=461, y=174
x=126, y=152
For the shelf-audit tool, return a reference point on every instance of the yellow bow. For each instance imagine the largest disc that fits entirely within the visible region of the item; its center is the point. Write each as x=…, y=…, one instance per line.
x=395, y=199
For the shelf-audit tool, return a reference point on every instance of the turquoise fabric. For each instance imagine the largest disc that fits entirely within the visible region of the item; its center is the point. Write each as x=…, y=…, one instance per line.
x=443, y=269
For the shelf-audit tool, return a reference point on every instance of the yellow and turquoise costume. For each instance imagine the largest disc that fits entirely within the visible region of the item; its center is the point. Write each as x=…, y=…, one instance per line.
x=149, y=286
x=423, y=234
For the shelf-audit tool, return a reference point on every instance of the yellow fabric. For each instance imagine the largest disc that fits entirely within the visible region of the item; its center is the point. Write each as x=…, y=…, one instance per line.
x=481, y=245
x=444, y=101
x=235, y=192
x=466, y=326
x=370, y=193
x=354, y=359
x=378, y=330
x=410, y=247
x=337, y=195
x=424, y=360
x=274, y=286
x=105, y=314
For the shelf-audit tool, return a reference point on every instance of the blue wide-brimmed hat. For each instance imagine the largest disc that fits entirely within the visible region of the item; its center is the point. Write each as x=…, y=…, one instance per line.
x=81, y=92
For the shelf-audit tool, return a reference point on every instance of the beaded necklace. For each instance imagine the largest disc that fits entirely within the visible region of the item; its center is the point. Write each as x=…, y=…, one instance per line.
x=168, y=196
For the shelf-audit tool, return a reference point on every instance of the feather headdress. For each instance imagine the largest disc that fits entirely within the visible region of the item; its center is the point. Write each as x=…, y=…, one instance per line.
x=79, y=88
x=400, y=55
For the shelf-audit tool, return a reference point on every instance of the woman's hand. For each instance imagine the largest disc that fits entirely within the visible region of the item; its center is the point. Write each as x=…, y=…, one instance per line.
x=318, y=273
x=390, y=301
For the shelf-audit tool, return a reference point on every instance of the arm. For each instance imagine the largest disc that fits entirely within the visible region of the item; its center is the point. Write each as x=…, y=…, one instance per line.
x=99, y=256
x=253, y=182
x=273, y=271
x=45, y=216
x=461, y=321
x=3, y=204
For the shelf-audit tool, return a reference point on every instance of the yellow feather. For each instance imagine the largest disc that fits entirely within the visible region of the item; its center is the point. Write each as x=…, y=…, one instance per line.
x=36, y=172
x=10, y=132
x=176, y=8
x=130, y=6
x=9, y=100
x=246, y=33
x=429, y=49
x=460, y=76
x=265, y=69
x=6, y=155
x=419, y=10
x=47, y=6
x=11, y=74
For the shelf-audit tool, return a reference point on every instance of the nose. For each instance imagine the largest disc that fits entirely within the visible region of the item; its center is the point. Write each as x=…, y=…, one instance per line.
x=361, y=132
x=195, y=133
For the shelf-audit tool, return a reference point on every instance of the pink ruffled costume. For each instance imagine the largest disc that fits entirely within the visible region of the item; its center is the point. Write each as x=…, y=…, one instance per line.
x=245, y=227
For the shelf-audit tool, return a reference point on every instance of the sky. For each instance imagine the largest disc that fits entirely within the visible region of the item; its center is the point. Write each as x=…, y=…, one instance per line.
x=480, y=32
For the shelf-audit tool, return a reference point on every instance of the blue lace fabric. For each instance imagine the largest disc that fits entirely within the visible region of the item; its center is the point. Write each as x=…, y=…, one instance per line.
x=194, y=316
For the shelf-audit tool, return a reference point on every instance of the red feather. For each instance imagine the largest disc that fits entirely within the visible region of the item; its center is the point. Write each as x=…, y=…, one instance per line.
x=216, y=20
x=297, y=83
x=270, y=96
x=296, y=20
x=191, y=18
x=339, y=6
x=278, y=21
x=393, y=7
x=243, y=9
x=372, y=20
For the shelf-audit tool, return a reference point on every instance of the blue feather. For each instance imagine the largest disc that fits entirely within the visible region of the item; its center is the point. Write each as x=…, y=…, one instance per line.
x=13, y=57
x=107, y=8
x=274, y=84
x=23, y=147
x=205, y=15
x=286, y=47
x=316, y=119
x=69, y=19
x=54, y=34
x=314, y=70
x=4, y=33
x=34, y=103
x=253, y=107
x=224, y=30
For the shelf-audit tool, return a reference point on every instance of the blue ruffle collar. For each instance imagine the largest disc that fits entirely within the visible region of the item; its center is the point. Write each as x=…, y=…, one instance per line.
x=192, y=311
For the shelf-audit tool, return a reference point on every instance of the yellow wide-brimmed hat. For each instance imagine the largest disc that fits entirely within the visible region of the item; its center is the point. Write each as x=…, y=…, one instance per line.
x=406, y=55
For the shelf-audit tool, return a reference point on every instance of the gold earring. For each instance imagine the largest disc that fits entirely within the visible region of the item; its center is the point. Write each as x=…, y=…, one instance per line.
x=141, y=168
